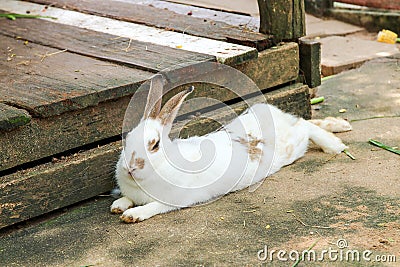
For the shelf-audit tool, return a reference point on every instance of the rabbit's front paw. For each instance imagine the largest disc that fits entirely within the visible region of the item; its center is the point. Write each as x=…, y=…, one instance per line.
x=136, y=214
x=120, y=205
x=334, y=147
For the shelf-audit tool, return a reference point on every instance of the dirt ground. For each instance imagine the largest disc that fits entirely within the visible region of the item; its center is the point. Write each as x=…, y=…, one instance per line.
x=334, y=203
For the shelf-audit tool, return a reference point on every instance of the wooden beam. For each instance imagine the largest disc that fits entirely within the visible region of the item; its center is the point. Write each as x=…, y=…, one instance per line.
x=273, y=67
x=293, y=99
x=45, y=137
x=29, y=193
x=284, y=19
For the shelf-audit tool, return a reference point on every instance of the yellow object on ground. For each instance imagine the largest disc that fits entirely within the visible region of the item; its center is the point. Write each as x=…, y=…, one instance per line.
x=387, y=36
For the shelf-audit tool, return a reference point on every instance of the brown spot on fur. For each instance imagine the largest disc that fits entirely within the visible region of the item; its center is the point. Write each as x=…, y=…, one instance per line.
x=139, y=163
x=136, y=162
x=255, y=153
x=151, y=145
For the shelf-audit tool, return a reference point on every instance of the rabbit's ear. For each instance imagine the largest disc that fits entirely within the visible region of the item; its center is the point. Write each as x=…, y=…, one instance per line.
x=171, y=108
x=154, y=97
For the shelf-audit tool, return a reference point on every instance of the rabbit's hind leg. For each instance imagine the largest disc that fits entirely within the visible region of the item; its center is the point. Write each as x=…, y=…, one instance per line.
x=333, y=125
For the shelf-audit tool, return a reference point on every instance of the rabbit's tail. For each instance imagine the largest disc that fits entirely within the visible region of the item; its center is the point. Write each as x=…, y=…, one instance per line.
x=320, y=132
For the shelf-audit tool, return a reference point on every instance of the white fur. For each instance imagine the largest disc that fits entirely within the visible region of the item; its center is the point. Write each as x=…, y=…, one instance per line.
x=184, y=172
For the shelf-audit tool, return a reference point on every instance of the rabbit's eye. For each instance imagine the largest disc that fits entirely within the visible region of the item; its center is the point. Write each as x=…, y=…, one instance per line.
x=154, y=145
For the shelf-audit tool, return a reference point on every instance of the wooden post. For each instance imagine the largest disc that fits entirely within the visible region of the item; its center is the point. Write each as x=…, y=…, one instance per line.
x=310, y=61
x=284, y=19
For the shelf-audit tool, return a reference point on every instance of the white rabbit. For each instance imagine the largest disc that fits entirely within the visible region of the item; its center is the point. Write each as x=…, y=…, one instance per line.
x=159, y=175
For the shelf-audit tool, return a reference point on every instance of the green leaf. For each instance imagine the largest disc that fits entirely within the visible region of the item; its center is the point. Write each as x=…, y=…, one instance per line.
x=13, y=16
x=317, y=100
x=383, y=146
x=326, y=78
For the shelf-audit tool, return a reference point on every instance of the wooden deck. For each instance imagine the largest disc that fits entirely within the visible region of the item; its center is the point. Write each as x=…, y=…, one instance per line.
x=65, y=85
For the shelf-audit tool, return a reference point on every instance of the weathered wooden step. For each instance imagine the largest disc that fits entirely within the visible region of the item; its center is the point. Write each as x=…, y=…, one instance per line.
x=47, y=82
x=129, y=52
x=77, y=100
x=32, y=192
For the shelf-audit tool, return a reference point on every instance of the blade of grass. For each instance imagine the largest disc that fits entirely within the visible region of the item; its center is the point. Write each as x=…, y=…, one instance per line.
x=383, y=146
x=13, y=16
x=349, y=154
x=326, y=78
x=301, y=258
x=317, y=100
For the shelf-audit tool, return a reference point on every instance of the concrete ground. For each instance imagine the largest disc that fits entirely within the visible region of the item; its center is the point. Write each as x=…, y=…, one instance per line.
x=334, y=203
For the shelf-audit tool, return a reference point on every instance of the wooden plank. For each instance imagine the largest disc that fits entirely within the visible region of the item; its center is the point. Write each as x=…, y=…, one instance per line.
x=284, y=19
x=223, y=51
x=141, y=55
x=32, y=192
x=29, y=193
x=244, y=21
x=294, y=99
x=47, y=82
x=238, y=7
x=45, y=137
x=274, y=66
x=11, y=118
x=161, y=18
